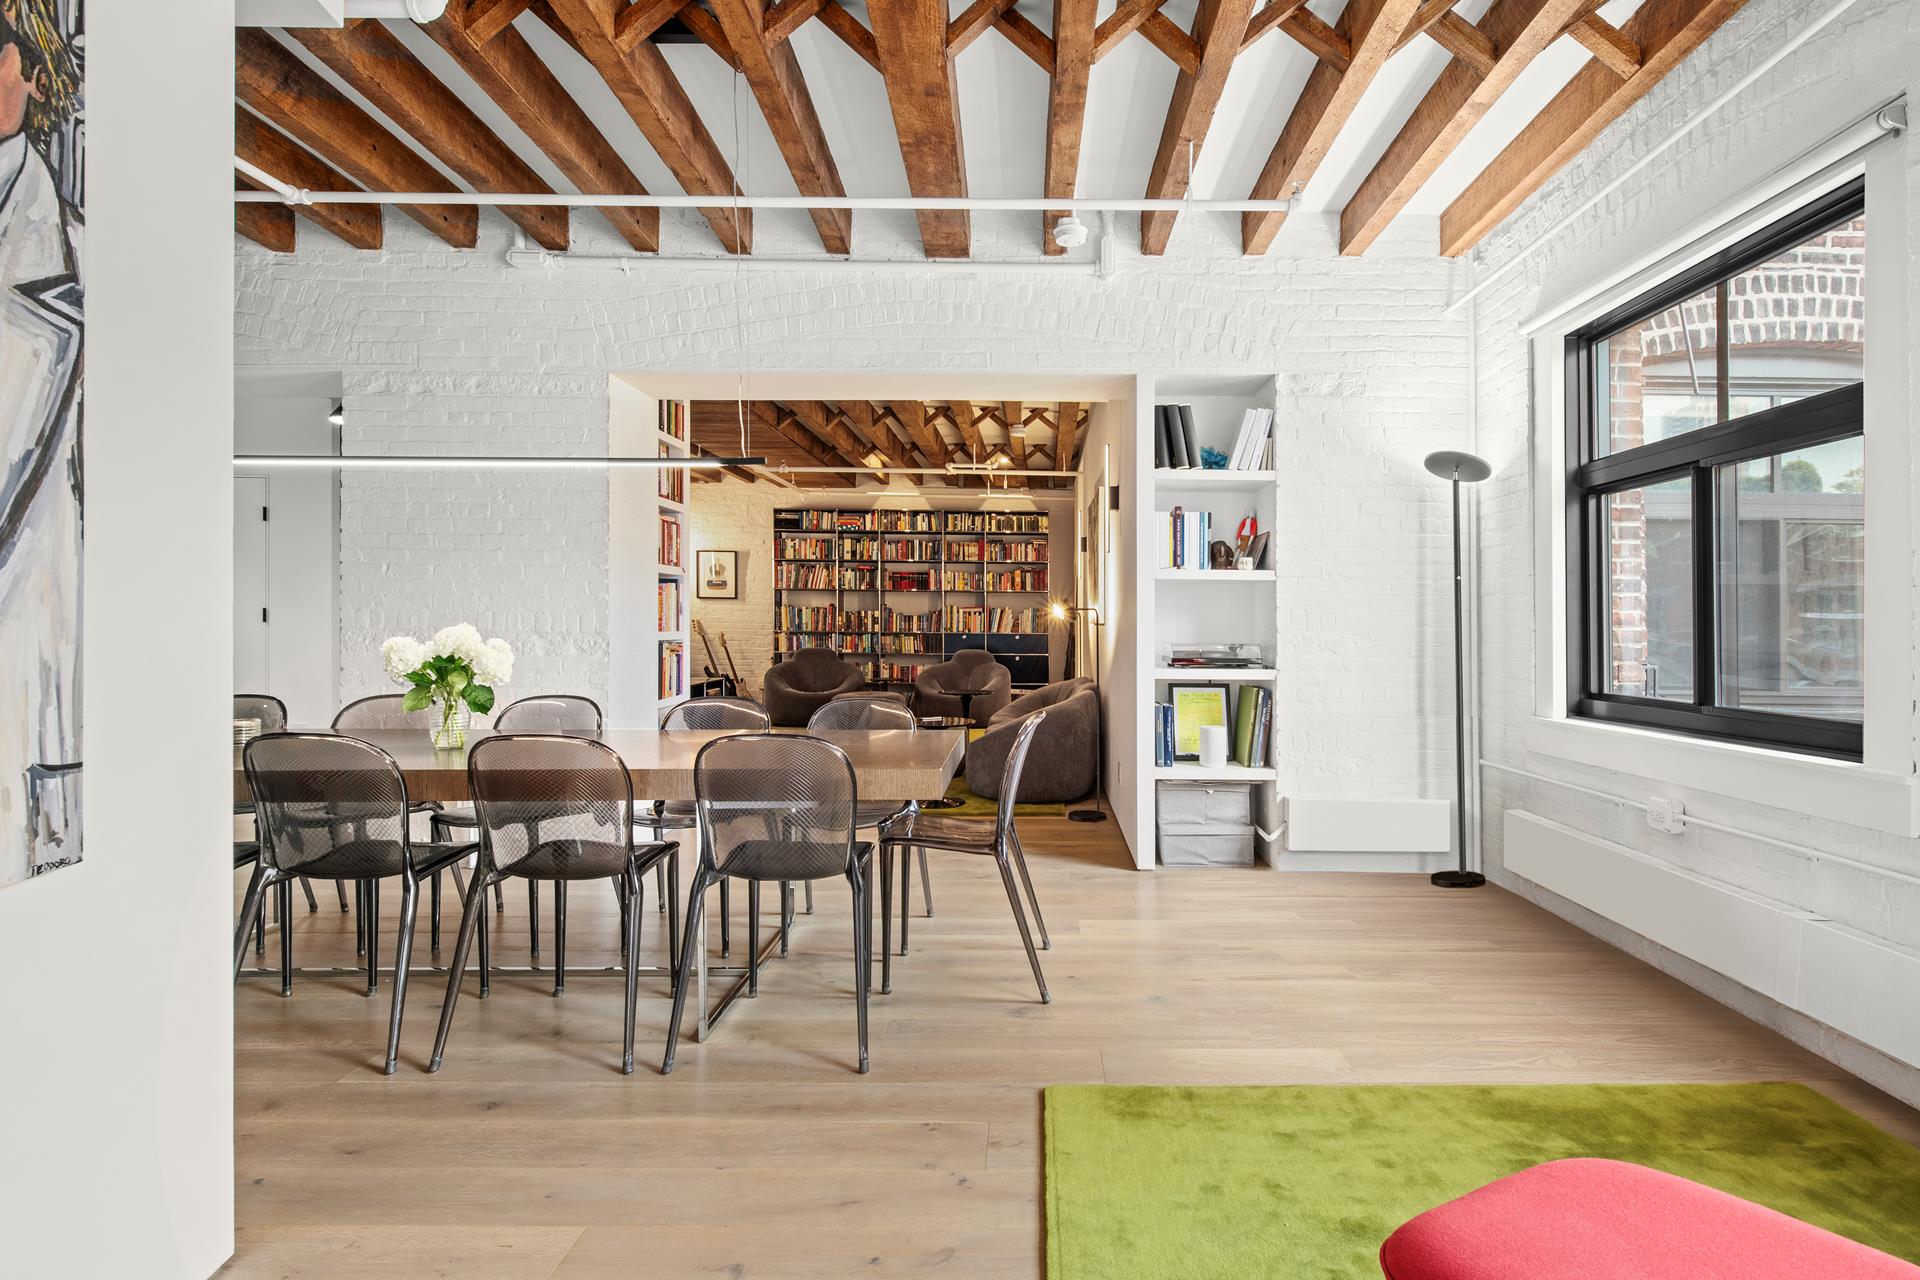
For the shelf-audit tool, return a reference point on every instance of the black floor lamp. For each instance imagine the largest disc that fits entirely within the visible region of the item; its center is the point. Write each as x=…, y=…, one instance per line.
x=1459, y=468
x=1064, y=612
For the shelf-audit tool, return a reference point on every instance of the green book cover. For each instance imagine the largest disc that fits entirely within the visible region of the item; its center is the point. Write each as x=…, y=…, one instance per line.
x=1243, y=724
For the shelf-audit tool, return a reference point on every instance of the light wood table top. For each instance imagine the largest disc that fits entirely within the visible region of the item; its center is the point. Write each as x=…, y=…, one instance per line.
x=888, y=764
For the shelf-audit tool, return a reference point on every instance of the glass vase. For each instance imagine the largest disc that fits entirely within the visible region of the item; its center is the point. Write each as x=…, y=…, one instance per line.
x=450, y=721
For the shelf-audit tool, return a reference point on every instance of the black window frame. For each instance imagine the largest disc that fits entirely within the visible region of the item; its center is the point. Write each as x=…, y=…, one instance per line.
x=1832, y=415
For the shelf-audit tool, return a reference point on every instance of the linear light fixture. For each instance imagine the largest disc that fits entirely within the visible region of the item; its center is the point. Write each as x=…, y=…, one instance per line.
x=428, y=462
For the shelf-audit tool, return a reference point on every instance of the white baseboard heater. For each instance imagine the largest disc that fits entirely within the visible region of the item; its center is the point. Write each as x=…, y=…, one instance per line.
x=1366, y=835
x=1855, y=984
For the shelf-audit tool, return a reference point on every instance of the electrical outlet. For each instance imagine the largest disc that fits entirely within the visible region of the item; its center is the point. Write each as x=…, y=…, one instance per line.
x=1667, y=815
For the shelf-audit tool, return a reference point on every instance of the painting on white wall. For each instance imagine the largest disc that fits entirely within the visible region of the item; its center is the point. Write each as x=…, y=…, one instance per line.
x=42, y=169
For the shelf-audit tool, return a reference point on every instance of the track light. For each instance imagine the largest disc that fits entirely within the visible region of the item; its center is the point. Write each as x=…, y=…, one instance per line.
x=338, y=414
x=1069, y=232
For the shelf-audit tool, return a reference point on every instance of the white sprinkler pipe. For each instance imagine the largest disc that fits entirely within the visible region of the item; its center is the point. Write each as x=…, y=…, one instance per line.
x=540, y=199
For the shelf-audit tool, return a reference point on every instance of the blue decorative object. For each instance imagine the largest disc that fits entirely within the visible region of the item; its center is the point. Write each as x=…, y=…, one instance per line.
x=1212, y=460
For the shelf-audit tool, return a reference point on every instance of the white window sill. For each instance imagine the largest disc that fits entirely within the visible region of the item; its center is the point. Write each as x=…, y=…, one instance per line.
x=1836, y=790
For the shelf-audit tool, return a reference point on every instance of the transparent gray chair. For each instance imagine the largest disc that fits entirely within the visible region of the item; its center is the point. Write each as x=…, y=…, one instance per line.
x=710, y=715
x=336, y=808
x=880, y=711
x=775, y=807
x=998, y=840
x=272, y=715
x=554, y=808
x=554, y=713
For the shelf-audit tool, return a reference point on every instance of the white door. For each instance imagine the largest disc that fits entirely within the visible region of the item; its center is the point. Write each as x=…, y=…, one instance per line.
x=250, y=515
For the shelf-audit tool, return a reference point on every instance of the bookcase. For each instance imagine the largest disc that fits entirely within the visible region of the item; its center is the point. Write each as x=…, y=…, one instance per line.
x=1193, y=606
x=649, y=560
x=895, y=591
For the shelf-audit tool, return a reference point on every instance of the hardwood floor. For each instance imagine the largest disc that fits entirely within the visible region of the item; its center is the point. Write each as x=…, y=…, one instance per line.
x=530, y=1157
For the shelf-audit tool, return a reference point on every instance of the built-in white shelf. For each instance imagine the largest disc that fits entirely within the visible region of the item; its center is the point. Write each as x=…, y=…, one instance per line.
x=668, y=504
x=673, y=570
x=1202, y=478
x=1243, y=675
x=673, y=635
x=1214, y=575
x=1190, y=772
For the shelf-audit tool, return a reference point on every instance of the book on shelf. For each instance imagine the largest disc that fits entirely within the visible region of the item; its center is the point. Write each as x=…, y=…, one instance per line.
x=1252, y=725
x=1162, y=734
x=1184, y=539
x=1016, y=522
x=670, y=540
x=669, y=592
x=1250, y=446
x=1183, y=417
x=673, y=480
x=673, y=418
x=1162, y=454
x=1177, y=457
x=672, y=668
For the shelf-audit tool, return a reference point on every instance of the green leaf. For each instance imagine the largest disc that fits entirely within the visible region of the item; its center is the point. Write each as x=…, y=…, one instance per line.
x=459, y=678
x=418, y=698
x=479, y=698
x=420, y=678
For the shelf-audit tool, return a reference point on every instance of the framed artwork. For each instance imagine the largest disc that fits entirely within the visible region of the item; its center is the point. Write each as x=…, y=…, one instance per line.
x=1194, y=706
x=42, y=145
x=717, y=575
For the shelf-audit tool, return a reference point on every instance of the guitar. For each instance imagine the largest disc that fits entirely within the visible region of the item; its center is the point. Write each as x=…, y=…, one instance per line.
x=729, y=685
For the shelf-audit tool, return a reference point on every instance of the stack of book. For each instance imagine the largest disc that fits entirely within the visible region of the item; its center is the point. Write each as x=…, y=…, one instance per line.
x=669, y=589
x=1252, y=725
x=672, y=670
x=670, y=541
x=673, y=480
x=1162, y=734
x=1174, y=444
x=1253, y=447
x=1184, y=537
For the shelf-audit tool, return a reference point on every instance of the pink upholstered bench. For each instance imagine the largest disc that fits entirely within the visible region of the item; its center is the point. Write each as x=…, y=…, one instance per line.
x=1605, y=1220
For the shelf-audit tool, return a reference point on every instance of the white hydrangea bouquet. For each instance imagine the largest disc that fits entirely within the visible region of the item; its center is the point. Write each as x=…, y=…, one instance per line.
x=454, y=671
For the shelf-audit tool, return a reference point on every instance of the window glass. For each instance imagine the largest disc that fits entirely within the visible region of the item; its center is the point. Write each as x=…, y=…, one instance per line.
x=1648, y=628
x=1793, y=572
x=1796, y=324
x=1660, y=377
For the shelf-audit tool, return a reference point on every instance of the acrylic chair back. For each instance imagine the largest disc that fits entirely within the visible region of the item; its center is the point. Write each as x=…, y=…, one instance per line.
x=552, y=807
x=718, y=713
x=775, y=806
x=863, y=713
x=329, y=806
x=551, y=713
x=1010, y=775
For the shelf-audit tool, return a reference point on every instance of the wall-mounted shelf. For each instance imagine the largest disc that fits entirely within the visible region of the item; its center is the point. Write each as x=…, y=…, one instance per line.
x=1202, y=478
x=1188, y=772
x=1221, y=576
x=1216, y=675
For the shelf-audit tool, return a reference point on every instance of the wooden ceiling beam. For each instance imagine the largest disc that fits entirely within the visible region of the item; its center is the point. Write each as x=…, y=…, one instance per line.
x=788, y=428
x=1073, y=41
x=518, y=80
x=1463, y=40
x=266, y=147
x=1519, y=30
x=1374, y=29
x=1217, y=28
x=966, y=421
x=1429, y=12
x=646, y=86
x=974, y=23
x=284, y=90
x=912, y=417
x=371, y=58
x=485, y=19
x=1169, y=39
x=1609, y=46
x=1027, y=38
x=788, y=16
x=1121, y=23
x=912, y=38
x=271, y=226
x=835, y=18
x=1016, y=424
x=820, y=419
x=773, y=73
x=1276, y=12
x=1665, y=31
x=642, y=18
x=1317, y=38
x=1066, y=426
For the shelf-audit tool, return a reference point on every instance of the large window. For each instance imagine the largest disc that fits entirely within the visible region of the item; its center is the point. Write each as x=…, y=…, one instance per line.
x=1716, y=503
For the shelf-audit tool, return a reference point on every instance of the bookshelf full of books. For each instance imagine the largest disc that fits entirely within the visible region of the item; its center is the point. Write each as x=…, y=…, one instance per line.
x=649, y=556
x=895, y=591
x=1209, y=616
x=671, y=498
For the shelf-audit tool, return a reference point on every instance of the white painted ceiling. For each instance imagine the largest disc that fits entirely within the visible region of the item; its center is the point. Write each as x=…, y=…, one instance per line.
x=1003, y=110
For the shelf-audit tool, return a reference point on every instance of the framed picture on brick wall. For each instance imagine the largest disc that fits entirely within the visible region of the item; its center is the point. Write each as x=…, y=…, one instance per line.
x=717, y=575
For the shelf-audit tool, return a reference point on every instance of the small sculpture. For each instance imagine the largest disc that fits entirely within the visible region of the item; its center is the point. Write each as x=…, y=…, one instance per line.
x=1219, y=556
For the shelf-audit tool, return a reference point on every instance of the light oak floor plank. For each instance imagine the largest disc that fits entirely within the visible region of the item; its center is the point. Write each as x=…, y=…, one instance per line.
x=766, y=1155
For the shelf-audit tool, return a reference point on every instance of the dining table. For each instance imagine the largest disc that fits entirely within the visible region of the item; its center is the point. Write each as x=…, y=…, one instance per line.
x=888, y=765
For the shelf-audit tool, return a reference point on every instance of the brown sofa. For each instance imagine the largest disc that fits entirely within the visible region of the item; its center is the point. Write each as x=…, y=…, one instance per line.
x=1064, y=758
x=807, y=680
x=974, y=670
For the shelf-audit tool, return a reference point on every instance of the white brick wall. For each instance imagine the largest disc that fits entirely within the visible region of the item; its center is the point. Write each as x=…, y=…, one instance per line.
x=1868, y=56
x=455, y=351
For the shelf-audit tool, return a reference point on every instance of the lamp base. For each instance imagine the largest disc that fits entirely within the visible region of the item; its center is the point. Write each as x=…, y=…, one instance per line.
x=1087, y=815
x=1457, y=879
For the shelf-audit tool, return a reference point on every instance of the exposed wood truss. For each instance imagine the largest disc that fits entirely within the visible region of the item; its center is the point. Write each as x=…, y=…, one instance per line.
x=270, y=226
x=322, y=140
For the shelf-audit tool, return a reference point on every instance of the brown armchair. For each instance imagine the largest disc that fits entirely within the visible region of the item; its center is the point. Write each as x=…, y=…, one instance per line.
x=973, y=671
x=806, y=681
x=1066, y=747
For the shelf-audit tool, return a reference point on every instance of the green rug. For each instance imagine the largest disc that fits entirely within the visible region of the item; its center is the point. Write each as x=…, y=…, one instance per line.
x=1306, y=1181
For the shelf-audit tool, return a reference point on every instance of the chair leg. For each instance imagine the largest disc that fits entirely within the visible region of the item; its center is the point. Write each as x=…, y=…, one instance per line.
x=459, y=883
x=660, y=883
x=249, y=914
x=786, y=915
x=926, y=883
x=1020, y=918
x=623, y=899
x=753, y=938
x=360, y=917
x=885, y=903
x=726, y=917
x=260, y=932
x=906, y=890
x=559, y=937
x=372, y=917
x=809, y=891
x=673, y=916
x=696, y=907
x=340, y=887
x=433, y=918
x=306, y=887
x=633, y=892
x=533, y=918
x=486, y=936
x=862, y=950
x=284, y=899
x=402, y=957
x=473, y=908
x=499, y=900
x=1020, y=861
